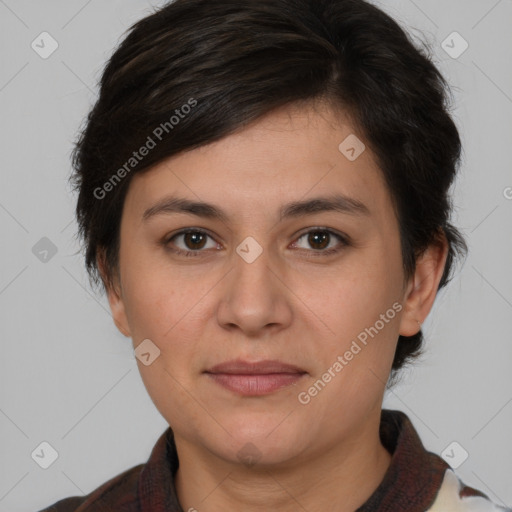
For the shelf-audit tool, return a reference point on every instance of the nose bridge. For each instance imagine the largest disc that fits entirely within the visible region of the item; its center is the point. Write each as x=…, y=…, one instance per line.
x=252, y=274
x=253, y=296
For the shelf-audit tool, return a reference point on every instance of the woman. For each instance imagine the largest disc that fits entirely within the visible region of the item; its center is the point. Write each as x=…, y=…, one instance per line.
x=263, y=193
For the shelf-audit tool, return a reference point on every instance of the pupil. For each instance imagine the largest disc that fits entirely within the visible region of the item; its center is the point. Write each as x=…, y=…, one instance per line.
x=319, y=237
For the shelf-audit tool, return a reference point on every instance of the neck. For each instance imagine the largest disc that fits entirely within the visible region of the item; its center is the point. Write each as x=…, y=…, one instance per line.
x=340, y=477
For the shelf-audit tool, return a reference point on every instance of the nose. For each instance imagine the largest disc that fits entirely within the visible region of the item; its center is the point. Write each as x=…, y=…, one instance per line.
x=255, y=298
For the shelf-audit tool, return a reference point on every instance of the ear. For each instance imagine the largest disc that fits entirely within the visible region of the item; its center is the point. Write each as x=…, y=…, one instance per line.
x=423, y=285
x=114, y=294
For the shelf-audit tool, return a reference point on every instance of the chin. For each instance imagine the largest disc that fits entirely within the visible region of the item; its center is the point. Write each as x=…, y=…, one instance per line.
x=259, y=453
x=256, y=439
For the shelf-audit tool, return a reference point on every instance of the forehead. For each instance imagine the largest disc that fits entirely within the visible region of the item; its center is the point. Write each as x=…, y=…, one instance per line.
x=290, y=154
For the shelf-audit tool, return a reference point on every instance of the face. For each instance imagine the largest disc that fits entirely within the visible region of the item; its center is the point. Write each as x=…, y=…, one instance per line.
x=265, y=274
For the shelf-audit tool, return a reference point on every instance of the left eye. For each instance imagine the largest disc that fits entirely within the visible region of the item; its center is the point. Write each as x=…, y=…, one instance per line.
x=320, y=240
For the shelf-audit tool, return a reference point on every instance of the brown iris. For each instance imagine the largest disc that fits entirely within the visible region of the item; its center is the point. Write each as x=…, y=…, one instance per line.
x=316, y=238
x=197, y=240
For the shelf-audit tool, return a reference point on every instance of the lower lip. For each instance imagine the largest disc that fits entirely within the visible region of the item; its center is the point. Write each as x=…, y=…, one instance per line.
x=256, y=384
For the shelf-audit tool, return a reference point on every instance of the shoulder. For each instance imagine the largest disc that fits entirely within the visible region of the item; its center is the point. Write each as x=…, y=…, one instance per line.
x=455, y=496
x=118, y=493
x=66, y=505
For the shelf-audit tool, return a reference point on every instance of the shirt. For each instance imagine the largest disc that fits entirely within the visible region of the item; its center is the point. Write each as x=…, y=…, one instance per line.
x=415, y=481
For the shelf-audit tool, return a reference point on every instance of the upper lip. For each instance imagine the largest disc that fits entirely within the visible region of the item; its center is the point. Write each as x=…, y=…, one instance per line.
x=241, y=367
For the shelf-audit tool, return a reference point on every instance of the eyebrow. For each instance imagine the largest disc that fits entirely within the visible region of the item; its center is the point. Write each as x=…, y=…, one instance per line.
x=338, y=203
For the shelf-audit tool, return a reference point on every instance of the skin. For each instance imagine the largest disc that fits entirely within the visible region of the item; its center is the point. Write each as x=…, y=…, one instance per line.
x=288, y=304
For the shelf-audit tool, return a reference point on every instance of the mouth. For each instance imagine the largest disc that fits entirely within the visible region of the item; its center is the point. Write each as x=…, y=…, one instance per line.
x=255, y=378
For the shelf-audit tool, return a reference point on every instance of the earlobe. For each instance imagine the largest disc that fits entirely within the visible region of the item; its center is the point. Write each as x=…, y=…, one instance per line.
x=423, y=286
x=114, y=295
x=118, y=311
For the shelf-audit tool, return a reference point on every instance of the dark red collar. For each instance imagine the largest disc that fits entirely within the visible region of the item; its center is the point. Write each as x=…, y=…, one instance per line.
x=414, y=476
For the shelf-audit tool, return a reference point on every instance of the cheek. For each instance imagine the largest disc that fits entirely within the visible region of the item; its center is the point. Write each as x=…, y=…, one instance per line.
x=362, y=288
x=155, y=295
x=169, y=308
x=362, y=308
x=159, y=307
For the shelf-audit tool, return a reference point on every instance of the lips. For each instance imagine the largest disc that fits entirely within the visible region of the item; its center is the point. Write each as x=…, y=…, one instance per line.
x=255, y=378
x=240, y=367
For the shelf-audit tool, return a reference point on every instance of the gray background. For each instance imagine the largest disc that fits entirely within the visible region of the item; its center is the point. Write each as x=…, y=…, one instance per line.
x=69, y=377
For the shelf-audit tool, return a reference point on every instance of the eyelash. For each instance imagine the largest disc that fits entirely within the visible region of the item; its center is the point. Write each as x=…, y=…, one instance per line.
x=314, y=253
